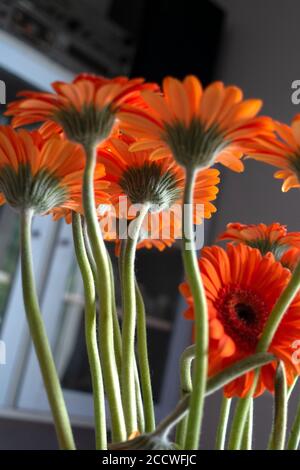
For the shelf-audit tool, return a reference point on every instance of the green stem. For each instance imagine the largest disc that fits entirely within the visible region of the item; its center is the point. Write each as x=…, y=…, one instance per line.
x=40, y=339
x=186, y=386
x=201, y=317
x=129, y=322
x=264, y=343
x=143, y=361
x=248, y=430
x=116, y=324
x=223, y=422
x=278, y=434
x=106, y=343
x=294, y=437
x=139, y=400
x=91, y=333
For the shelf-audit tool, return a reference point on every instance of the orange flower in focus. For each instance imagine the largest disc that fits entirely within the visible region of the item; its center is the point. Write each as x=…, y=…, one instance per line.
x=85, y=109
x=199, y=127
x=272, y=238
x=44, y=175
x=136, y=179
x=242, y=286
x=281, y=150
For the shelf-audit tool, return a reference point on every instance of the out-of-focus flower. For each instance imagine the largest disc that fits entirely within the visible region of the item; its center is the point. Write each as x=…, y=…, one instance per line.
x=198, y=127
x=272, y=238
x=242, y=286
x=281, y=150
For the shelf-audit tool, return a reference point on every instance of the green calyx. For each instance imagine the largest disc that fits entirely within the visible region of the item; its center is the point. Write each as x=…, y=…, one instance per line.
x=193, y=146
x=89, y=125
x=266, y=246
x=151, y=184
x=23, y=190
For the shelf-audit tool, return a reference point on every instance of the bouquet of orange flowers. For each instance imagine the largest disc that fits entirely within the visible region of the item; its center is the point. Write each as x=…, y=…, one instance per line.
x=127, y=161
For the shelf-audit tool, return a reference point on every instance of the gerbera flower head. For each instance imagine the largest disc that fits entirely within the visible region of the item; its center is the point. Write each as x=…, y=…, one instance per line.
x=133, y=176
x=282, y=150
x=85, y=109
x=42, y=175
x=242, y=286
x=198, y=127
x=272, y=238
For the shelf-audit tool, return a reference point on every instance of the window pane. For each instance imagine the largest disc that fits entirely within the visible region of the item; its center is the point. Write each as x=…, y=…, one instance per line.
x=9, y=249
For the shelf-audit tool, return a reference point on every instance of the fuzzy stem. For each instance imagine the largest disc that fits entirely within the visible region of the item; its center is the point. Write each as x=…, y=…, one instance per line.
x=201, y=317
x=129, y=323
x=143, y=361
x=248, y=430
x=40, y=339
x=106, y=342
x=223, y=422
x=186, y=386
x=278, y=434
x=91, y=333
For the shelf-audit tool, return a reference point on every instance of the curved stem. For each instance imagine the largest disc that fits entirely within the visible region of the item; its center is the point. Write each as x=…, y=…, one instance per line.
x=278, y=434
x=186, y=387
x=129, y=321
x=40, y=339
x=248, y=430
x=91, y=332
x=106, y=343
x=201, y=317
x=223, y=422
x=143, y=361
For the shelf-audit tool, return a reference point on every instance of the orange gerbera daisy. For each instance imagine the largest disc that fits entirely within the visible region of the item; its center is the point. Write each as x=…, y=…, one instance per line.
x=242, y=286
x=136, y=179
x=44, y=175
x=272, y=238
x=281, y=150
x=85, y=109
x=199, y=127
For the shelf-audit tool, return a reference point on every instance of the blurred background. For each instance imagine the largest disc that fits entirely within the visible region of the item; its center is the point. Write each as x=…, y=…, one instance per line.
x=252, y=44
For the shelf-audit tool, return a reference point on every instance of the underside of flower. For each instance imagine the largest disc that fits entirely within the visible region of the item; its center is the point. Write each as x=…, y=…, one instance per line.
x=265, y=246
x=23, y=190
x=193, y=145
x=89, y=125
x=243, y=315
x=151, y=184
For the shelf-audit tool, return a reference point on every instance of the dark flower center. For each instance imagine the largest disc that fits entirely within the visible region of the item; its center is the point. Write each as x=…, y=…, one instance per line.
x=194, y=145
x=22, y=190
x=151, y=184
x=243, y=315
x=90, y=125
